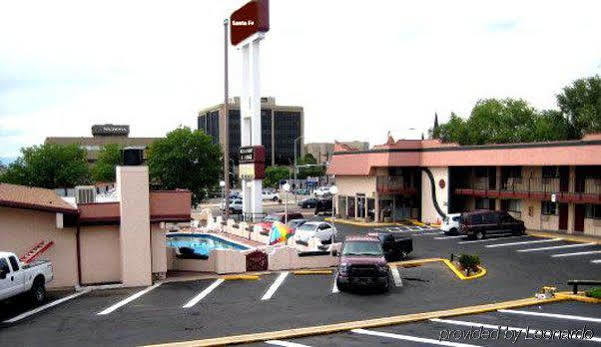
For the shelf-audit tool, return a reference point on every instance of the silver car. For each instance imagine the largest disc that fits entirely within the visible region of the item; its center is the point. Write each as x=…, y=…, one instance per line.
x=324, y=231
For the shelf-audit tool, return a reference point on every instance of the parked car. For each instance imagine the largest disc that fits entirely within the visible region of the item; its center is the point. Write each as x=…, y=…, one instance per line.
x=450, y=225
x=270, y=195
x=479, y=224
x=295, y=223
x=308, y=203
x=302, y=191
x=236, y=206
x=324, y=206
x=324, y=231
x=321, y=192
x=18, y=278
x=362, y=264
x=396, y=247
x=265, y=225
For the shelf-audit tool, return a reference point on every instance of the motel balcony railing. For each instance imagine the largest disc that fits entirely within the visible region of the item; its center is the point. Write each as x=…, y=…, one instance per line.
x=538, y=188
x=394, y=185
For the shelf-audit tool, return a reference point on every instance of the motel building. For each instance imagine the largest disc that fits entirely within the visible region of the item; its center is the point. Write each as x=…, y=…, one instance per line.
x=549, y=185
x=120, y=242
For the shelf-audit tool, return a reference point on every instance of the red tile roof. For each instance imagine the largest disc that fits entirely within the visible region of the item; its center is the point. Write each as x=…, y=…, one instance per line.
x=41, y=199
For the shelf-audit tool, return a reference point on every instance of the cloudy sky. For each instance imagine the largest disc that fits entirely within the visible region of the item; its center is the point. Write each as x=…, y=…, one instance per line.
x=359, y=68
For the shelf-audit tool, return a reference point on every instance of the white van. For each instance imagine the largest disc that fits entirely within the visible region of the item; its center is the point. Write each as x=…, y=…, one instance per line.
x=450, y=225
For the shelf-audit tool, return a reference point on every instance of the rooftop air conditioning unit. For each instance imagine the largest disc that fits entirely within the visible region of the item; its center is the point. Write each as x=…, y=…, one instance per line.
x=85, y=194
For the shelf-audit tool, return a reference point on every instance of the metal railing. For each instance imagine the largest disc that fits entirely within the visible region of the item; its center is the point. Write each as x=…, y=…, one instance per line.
x=539, y=187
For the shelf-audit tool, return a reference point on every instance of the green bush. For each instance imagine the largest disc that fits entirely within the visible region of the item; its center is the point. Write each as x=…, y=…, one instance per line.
x=470, y=262
x=594, y=293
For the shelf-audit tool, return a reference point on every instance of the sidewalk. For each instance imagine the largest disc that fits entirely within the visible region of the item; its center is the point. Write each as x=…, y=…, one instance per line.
x=565, y=236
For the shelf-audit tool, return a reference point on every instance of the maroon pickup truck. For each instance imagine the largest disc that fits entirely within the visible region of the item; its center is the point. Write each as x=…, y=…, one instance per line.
x=362, y=264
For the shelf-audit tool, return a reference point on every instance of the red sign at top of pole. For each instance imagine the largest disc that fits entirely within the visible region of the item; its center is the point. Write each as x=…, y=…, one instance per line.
x=248, y=20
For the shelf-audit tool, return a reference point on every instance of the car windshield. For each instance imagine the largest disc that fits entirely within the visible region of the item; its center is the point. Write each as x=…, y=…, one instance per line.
x=362, y=248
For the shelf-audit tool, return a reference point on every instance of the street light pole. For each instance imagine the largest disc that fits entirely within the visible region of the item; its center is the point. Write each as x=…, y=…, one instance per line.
x=226, y=154
x=295, y=168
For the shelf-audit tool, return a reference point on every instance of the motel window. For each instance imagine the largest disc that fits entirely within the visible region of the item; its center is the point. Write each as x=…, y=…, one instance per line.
x=512, y=205
x=485, y=204
x=548, y=208
x=592, y=211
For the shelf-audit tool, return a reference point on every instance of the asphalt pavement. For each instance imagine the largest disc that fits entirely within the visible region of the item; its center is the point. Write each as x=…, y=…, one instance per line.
x=236, y=307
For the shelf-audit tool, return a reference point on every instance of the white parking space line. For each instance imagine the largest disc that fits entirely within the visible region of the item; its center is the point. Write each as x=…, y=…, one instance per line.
x=574, y=254
x=335, y=285
x=284, y=343
x=490, y=240
x=128, y=299
x=449, y=237
x=409, y=338
x=556, y=247
x=204, y=293
x=275, y=285
x=524, y=243
x=44, y=307
x=596, y=261
x=553, y=315
x=396, y=276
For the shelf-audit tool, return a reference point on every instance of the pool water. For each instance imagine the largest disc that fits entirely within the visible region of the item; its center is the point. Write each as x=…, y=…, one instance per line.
x=202, y=244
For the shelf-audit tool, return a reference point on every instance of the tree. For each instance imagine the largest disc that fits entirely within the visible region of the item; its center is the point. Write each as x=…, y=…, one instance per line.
x=310, y=171
x=504, y=121
x=185, y=159
x=49, y=166
x=581, y=103
x=274, y=174
x=108, y=158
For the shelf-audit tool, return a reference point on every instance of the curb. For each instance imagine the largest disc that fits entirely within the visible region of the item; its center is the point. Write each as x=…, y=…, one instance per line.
x=312, y=272
x=362, y=324
x=578, y=297
x=240, y=277
x=565, y=237
x=450, y=265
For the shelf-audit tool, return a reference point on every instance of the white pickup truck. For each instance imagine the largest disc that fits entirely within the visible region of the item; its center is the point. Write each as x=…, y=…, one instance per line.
x=19, y=278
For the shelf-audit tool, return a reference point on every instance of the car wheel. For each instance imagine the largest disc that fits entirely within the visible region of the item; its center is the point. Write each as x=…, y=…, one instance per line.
x=38, y=291
x=275, y=198
x=480, y=235
x=453, y=231
x=386, y=286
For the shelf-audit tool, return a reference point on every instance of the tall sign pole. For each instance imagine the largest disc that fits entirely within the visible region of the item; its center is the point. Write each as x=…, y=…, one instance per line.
x=248, y=26
x=226, y=151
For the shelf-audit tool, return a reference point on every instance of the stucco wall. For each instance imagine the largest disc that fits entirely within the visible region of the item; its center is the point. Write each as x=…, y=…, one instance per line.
x=533, y=218
x=133, y=192
x=429, y=213
x=159, y=243
x=353, y=185
x=21, y=229
x=592, y=227
x=100, y=254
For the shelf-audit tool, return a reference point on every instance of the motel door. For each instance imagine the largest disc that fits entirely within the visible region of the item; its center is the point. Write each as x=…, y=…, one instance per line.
x=579, y=218
x=563, y=216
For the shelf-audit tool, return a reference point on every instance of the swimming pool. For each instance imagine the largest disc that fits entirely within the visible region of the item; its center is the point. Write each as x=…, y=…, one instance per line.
x=201, y=244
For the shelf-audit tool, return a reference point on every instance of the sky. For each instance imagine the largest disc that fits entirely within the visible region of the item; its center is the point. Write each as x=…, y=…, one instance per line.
x=359, y=68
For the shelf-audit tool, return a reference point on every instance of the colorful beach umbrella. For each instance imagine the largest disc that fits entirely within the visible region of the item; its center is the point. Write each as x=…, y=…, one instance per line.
x=280, y=233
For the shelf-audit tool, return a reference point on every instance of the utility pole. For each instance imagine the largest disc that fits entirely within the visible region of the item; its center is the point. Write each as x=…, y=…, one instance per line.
x=226, y=151
x=295, y=168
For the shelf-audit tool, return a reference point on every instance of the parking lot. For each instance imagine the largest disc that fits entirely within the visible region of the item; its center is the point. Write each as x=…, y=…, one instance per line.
x=517, y=266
